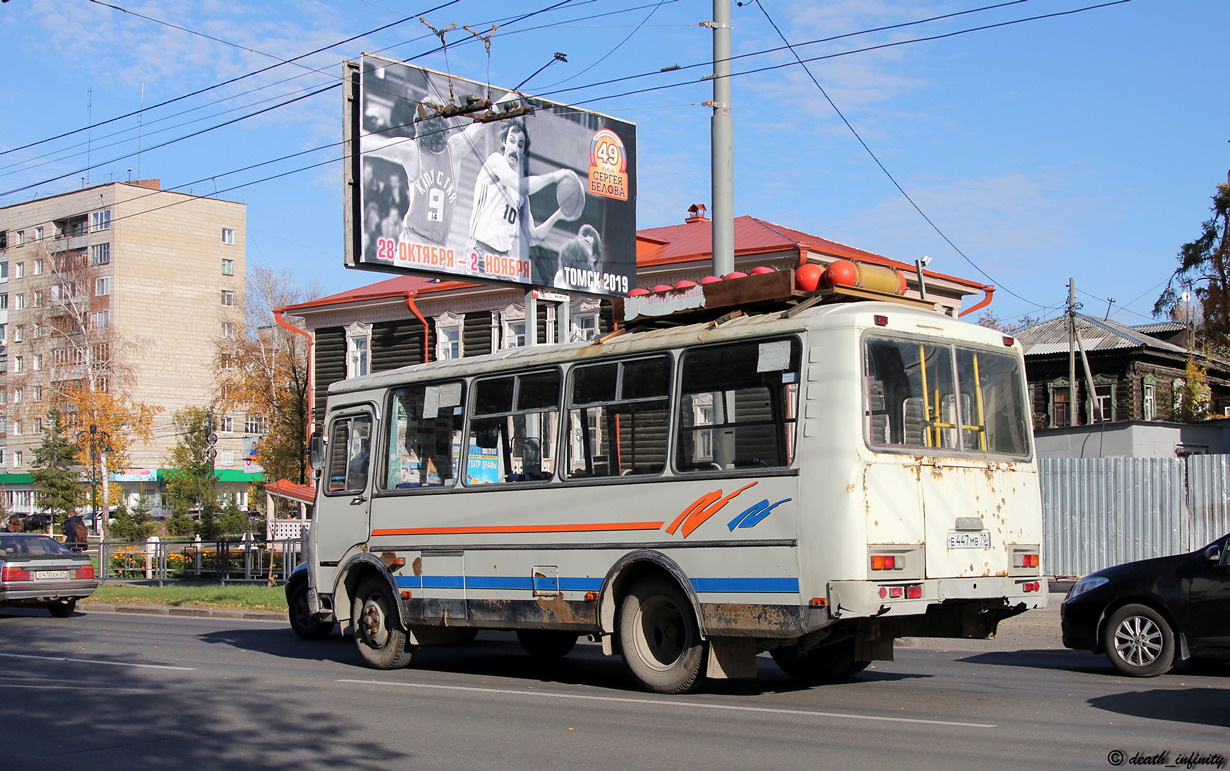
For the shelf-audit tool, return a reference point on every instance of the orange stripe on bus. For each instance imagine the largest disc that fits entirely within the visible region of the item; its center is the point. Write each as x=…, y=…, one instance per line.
x=519, y=529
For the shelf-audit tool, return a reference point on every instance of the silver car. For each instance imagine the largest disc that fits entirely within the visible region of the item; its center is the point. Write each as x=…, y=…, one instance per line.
x=38, y=571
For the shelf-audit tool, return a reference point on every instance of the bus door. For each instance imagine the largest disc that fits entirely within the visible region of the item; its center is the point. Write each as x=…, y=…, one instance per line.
x=342, y=516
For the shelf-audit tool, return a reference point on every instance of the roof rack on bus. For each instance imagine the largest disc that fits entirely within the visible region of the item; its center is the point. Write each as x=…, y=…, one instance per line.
x=766, y=291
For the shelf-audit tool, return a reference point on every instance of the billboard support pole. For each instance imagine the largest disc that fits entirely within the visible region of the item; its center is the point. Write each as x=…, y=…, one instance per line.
x=531, y=317
x=722, y=138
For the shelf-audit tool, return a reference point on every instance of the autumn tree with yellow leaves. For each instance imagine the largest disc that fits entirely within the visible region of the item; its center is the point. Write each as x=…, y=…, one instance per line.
x=263, y=370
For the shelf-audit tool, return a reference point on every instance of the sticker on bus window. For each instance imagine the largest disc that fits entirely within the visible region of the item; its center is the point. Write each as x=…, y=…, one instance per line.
x=774, y=357
x=450, y=395
x=431, y=402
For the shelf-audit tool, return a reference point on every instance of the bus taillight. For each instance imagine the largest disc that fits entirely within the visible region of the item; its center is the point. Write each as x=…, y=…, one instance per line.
x=885, y=562
x=1032, y=586
x=911, y=592
x=1024, y=560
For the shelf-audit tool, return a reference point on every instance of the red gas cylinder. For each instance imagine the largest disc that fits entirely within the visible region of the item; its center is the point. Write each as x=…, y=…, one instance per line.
x=710, y=280
x=760, y=270
x=807, y=277
x=662, y=288
x=841, y=273
x=638, y=292
x=685, y=284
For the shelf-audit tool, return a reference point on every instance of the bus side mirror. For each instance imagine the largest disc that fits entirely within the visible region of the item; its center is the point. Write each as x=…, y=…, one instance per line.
x=316, y=451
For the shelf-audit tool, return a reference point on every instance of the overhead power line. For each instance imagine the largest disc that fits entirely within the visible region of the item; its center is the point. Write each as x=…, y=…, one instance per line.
x=878, y=163
x=236, y=79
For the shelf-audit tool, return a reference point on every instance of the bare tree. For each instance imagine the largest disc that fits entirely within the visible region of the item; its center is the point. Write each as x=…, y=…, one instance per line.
x=78, y=364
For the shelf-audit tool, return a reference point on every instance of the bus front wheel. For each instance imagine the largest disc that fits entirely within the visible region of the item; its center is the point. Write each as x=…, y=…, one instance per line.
x=378, y=635
x=660, y=638
x=822, y=664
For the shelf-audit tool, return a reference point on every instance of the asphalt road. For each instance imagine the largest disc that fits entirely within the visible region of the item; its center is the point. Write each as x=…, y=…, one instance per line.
x=120, y=690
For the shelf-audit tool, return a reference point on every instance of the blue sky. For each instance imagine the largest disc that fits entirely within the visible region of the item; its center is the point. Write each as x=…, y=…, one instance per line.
x=1085, y=145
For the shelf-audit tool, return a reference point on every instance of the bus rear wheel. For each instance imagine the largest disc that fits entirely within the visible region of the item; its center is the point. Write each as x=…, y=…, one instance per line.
x=660, y=638
x=822, y=664
x=546, y=644
x=378, y=635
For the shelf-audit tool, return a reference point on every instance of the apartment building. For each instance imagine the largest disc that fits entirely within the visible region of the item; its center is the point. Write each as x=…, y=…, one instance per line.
x=127, y=282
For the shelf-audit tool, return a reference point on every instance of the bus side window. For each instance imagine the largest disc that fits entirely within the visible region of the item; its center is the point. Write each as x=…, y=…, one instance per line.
x=513, y=428
x=348, y=455
x=424, y=436
x=618, y=418
x=738, y=406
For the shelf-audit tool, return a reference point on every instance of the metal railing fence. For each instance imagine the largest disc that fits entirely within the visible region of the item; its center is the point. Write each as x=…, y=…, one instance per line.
x=225, y=561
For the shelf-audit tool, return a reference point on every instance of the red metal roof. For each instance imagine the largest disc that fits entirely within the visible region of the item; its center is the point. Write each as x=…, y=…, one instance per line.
x=287, y=489
x=687, y=242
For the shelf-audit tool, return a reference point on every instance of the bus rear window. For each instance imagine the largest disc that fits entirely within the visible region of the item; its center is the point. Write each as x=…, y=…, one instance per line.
x=921, y=394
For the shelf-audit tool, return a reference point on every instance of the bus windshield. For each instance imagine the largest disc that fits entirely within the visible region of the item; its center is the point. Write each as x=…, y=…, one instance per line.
x=924, y=394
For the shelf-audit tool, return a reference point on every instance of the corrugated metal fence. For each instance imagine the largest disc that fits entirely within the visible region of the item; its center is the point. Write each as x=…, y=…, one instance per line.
x=1099, y=512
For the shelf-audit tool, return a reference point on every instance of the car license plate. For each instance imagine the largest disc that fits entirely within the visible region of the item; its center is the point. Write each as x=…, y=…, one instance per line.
x=970, y=540
x=50, y=575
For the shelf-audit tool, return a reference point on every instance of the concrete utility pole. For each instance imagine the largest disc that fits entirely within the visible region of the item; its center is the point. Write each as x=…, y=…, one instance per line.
x=1071, y=351
x=722, y=138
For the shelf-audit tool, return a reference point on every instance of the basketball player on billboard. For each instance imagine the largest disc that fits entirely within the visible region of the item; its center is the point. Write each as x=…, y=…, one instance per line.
x=501, y=199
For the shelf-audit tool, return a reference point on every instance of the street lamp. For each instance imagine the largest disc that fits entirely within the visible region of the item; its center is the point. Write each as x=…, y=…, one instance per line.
x=100, y=442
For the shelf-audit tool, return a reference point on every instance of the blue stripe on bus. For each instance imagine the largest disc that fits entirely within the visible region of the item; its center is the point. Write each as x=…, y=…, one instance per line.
x=745, y=584
x=752, y=585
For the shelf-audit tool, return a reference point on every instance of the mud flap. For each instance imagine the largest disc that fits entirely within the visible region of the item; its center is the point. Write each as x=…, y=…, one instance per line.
x=731, y=657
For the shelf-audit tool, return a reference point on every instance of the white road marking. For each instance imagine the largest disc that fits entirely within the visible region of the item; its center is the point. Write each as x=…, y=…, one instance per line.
x=96, y=661
x=684, y=704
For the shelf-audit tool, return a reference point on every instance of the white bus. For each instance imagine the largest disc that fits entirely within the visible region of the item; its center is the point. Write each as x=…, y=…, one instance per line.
x=813, y=483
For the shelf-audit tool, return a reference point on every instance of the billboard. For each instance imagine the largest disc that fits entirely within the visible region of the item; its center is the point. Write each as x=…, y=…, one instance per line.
x=463, y=180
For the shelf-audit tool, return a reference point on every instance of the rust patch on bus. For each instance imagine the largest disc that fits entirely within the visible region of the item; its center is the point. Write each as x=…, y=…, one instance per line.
x=418, y=566
x=557, y=607
x=388, y=558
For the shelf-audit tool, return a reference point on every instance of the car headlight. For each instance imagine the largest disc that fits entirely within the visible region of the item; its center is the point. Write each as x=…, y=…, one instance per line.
x=1084, y=585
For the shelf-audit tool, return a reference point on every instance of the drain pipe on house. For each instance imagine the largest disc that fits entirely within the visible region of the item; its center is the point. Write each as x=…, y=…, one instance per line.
x=415, y=310
x=279, y=317
x=988, y=290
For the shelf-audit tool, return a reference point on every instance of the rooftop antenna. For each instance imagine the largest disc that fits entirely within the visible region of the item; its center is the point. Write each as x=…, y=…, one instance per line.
x=89, y=121
x=140, y=119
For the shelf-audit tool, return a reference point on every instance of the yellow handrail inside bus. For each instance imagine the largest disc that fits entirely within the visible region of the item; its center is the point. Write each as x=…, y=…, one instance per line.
x=922, y=363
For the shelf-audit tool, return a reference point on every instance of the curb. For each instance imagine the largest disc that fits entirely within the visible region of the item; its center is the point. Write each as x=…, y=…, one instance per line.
x=168, y=610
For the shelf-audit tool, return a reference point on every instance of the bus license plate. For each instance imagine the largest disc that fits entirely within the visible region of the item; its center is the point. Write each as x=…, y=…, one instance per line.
x=978, y=540
x=50, y=575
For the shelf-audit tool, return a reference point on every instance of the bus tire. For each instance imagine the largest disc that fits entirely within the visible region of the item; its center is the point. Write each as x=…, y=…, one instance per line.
x=1139, y=642
x=381, y=641
x=659, y=637
x=302, y=622
x=822, y=664
x=546, y=644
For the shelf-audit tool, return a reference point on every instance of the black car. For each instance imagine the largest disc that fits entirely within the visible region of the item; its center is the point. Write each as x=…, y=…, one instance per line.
x=1144, y=615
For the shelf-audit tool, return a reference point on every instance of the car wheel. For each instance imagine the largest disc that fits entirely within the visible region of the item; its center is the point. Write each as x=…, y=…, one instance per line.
x=378, y=634
x=302, y=621
x=1139, y=642
x=62, y=609
x=660, y=639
